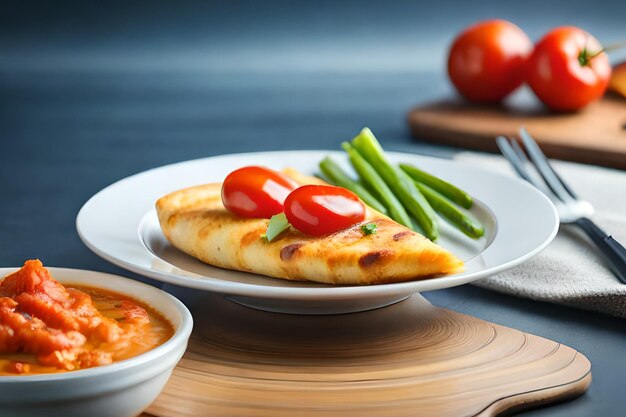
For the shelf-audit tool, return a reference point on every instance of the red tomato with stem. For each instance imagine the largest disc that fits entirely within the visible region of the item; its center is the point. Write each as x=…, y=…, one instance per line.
x=487, y=61
x=319, y=210
x=568, y=69
x=256, y=192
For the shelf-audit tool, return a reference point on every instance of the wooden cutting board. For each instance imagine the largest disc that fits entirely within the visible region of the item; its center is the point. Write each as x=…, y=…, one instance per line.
x=596, y=135
x=409, y=359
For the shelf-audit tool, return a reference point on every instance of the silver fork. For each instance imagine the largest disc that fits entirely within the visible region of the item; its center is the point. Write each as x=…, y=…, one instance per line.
x=571, y=209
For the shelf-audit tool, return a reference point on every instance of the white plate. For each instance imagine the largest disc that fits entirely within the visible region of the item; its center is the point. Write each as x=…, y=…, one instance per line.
x=119, y=223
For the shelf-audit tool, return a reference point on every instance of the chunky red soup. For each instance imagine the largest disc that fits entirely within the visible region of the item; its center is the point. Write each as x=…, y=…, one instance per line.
x=46, y=327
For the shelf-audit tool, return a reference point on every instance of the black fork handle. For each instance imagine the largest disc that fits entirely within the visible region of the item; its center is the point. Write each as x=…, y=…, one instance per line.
x=611, y=248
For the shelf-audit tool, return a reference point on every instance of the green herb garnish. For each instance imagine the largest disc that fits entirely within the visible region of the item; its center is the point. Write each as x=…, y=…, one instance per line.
x=278, y=224
x=369, y=229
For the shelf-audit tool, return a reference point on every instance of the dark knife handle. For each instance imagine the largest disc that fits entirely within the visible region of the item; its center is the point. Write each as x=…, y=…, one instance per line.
x=611, y=248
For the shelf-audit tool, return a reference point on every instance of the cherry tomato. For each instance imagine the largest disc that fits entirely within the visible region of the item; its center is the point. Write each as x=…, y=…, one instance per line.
x=256, y=192
x=486, y=62
x=319, y=210
x=568, y=69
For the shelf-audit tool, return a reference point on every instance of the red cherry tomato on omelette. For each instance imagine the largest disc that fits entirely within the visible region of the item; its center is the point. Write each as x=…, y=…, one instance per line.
x=568, y=69
x=319, y=210
x=256, y=192
x=487, y=61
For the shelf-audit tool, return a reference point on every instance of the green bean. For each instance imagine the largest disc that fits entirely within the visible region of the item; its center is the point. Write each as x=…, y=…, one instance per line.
x=451, y=212
x=337, y=176
x=377, y=185
x=454, y=193
x=398, y=181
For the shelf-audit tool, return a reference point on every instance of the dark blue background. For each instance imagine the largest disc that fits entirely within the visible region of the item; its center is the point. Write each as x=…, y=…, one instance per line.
x=91, y=92
x=268, y=36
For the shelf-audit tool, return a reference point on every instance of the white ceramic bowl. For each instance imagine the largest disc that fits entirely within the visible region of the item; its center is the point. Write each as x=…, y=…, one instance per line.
x=122, y=389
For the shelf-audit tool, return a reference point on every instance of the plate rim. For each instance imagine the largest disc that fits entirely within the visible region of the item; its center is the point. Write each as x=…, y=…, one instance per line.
x=315, y=293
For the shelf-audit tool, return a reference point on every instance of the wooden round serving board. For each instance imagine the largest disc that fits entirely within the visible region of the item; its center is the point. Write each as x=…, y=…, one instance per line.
x=595, y=135
x=409, y=359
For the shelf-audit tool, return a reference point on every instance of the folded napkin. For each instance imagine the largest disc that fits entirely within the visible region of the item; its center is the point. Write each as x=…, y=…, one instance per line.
x=570, y=271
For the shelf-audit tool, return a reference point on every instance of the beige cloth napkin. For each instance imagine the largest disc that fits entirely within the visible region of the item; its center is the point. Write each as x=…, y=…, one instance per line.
x=570, y=270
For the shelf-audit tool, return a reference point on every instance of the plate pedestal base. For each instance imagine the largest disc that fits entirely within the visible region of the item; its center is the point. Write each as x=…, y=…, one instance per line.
x=318, y=307
x=407, y=359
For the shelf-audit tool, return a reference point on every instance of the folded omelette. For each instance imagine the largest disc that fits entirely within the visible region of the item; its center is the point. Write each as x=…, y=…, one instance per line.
x=195, y=221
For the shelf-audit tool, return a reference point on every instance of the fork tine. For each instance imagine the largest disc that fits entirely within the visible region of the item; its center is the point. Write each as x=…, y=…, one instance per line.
x=525, y=161
x=549, y=175
x=507, y=151
x=519, y=151
x=549, y=165
x=518, y=165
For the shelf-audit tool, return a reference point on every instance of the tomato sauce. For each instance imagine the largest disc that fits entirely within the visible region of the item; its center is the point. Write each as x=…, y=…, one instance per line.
x=46, y=327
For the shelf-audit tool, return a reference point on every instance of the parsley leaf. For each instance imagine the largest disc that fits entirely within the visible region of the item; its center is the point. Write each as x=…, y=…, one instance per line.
x=369, y=229
x=278, y=224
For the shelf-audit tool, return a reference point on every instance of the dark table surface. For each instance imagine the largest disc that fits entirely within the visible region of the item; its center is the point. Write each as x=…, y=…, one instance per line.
x=91, y=92
x=64, y=136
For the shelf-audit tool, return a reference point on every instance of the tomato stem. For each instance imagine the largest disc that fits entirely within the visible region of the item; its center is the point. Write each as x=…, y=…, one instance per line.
x=584, y=57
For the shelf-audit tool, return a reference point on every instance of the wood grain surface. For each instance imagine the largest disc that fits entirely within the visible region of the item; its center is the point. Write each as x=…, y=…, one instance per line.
x=596, y=135
x=409, y=359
